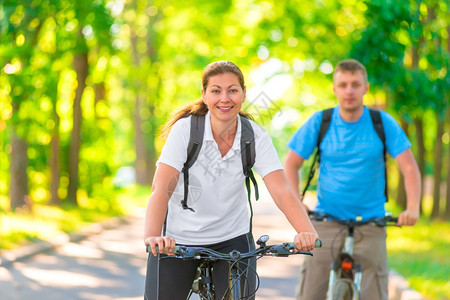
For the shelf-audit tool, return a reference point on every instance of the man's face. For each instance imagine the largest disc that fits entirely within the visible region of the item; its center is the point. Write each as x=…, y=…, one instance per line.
x=349, y=88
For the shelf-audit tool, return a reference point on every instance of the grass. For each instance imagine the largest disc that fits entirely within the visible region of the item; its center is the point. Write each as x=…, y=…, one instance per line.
x=46, y=222
x=421, y=255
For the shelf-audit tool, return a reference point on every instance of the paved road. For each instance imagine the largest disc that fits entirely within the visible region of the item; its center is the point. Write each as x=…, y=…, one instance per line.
x=111, y=265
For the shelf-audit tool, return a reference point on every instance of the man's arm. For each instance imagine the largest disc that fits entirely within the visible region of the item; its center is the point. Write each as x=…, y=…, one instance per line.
x=292, y=165
x=411, y=174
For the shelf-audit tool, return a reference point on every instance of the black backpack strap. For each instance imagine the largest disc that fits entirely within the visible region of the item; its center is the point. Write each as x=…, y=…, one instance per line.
x=248, y=160
x=194, y=146
x=375, y=115
x=193, y=149
x=324, y=125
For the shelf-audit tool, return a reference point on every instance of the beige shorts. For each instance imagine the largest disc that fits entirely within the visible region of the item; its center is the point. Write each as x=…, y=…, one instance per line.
x=369, y=251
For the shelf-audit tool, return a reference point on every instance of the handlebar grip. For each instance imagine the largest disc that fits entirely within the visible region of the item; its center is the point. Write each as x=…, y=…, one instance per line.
x=175, y=250
x=318, y=244
x=392, y=219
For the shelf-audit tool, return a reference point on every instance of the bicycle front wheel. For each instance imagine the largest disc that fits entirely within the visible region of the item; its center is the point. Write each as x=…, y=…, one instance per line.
x=342, y=290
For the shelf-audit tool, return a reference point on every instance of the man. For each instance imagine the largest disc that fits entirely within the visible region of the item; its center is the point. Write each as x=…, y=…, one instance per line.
x=352, y=182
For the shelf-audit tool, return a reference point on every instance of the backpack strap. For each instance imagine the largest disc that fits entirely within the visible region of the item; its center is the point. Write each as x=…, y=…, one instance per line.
x=248, y=160
x=195, y=144
x=193, y=149
x=324, y=125
x=378, y=126
x=248, y=154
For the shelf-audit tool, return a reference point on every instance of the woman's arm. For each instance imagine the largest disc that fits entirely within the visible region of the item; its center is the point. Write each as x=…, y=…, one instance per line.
x=164, y=183
x=292, y=208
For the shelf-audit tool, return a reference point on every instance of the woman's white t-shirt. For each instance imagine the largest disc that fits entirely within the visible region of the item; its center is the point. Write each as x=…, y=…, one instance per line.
x=217, y=192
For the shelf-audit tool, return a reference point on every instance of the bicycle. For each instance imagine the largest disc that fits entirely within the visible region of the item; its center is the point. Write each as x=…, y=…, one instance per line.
x=345, y=275
x=203, y=286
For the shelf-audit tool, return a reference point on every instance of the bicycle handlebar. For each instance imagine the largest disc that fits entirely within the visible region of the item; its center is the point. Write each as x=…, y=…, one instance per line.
x=384, y=221
x=284, y=249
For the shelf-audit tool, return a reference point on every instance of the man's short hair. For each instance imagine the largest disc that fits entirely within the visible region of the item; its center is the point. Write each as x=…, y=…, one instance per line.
x=351, y=65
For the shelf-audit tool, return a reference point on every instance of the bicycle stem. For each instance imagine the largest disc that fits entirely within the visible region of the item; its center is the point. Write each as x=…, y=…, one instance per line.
x=349, y=241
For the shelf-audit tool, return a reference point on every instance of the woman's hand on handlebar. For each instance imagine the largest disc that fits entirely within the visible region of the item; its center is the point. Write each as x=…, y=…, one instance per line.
x=160, y=244
x=304, y=241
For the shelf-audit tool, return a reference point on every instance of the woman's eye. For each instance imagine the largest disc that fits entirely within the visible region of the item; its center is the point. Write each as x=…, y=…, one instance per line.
x=233, y=91
x=215, y=91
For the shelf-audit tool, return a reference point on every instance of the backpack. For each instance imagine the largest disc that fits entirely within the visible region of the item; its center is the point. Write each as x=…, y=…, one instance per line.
x=375, y=115
x=247, y=156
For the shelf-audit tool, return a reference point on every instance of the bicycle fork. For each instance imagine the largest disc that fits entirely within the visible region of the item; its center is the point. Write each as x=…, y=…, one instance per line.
x=345, y=268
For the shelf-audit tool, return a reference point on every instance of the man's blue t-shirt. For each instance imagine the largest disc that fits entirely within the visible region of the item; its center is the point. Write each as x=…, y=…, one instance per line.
x=351, y=177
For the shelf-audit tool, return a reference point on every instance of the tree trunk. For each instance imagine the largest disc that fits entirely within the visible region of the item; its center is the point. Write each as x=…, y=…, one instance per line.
x=152, y=155
x=54, y=161
x=401, y=192
x=447, y=206
x=152, y=52
x=18, y=185
x=437, y=169
x=142, y=158
x=418, y=122
x=80, y=64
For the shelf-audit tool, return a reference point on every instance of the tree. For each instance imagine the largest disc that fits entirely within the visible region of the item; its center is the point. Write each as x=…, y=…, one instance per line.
x=145, y=59
x=92, y=19
x=20, y=32
x=401, y=52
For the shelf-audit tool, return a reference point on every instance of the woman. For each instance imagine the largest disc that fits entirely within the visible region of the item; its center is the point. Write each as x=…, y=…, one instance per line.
x=218, y=216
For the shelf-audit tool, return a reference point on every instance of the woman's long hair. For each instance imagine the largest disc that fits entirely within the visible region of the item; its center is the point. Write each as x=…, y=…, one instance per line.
x=198, y=107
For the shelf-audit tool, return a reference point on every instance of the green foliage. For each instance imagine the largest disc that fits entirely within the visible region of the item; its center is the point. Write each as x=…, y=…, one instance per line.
x=420, y=254
x=174, y=41
x=403, y=51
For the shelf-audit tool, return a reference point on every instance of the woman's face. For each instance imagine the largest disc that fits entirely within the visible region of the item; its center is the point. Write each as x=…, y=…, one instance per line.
x=224, y=96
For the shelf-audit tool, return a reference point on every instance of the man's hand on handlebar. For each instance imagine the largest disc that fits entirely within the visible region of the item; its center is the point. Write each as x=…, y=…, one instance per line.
x=408, y=218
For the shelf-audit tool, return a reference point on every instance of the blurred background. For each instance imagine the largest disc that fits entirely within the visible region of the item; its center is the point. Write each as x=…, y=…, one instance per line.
x=86, y=85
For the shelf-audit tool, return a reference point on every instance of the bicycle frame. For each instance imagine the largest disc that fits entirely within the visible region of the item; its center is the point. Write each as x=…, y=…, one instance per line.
x=202, y=284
